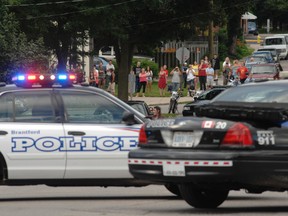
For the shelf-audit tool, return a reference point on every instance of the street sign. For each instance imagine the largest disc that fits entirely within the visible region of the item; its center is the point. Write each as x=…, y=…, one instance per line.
x=182, y=54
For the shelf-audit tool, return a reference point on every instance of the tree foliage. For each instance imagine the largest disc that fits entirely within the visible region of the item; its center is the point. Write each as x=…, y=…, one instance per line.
x=17, y=53
x=275, y=10
x=128, y=25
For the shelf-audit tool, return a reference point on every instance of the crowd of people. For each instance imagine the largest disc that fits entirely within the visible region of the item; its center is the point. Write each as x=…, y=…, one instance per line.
x=196, y=76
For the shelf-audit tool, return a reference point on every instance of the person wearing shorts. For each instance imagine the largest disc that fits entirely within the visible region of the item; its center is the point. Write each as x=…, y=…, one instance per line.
x=210, y=76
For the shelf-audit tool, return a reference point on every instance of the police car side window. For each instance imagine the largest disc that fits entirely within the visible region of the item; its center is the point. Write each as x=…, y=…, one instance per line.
x=26, y=107
x=91, y=108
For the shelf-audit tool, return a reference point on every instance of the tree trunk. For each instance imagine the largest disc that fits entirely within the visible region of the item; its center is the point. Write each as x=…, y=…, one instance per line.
x=232, y=33
x=62, y=46
x=124, y=56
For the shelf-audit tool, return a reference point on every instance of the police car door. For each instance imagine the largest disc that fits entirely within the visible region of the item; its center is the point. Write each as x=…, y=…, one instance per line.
x=97, y=142
x=30, y=135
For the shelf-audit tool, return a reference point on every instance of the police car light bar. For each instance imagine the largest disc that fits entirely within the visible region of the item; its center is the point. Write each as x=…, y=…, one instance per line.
x=44, y=80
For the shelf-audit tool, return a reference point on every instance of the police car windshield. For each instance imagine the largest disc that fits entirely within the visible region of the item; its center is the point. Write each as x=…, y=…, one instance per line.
x=253, y=93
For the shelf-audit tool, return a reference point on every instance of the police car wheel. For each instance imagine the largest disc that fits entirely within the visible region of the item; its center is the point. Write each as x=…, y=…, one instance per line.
x=173, y=188
x=202, y=198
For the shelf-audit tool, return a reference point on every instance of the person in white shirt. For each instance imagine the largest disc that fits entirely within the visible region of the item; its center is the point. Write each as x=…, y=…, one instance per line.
x=110, y=66
x=210, y=76
x=190, y=79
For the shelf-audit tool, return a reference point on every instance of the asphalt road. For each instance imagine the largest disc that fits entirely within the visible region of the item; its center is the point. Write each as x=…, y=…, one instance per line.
x=148, y=201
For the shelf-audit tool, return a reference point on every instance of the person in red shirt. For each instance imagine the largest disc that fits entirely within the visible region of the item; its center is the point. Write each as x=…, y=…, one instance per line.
x=202, y=74
x=242, y=72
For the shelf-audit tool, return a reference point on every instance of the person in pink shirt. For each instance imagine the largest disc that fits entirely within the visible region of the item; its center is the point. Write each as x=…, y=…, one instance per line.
x=142, y=82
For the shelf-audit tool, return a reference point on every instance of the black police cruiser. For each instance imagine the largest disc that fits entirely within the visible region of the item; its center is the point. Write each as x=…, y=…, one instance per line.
x=240, y=141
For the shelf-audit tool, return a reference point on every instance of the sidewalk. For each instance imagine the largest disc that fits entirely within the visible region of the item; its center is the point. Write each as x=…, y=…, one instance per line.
x=162, y=100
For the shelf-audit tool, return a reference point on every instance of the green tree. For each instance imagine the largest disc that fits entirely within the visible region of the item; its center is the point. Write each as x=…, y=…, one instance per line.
x=61, y=25
x=229, y=14
x=16, y=51
x=128, y=26
x=275, y=10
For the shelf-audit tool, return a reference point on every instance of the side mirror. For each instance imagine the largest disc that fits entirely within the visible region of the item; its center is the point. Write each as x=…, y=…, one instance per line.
x=128, y=118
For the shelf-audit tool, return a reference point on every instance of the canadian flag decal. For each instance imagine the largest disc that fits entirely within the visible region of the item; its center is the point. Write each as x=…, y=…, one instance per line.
x=208, y=124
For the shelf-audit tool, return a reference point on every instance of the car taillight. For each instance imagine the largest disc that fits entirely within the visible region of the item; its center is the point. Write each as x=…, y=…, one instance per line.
x=142, y=135
x=238, y=135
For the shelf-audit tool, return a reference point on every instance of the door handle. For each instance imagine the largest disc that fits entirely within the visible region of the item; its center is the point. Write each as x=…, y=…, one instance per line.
x=76, y=133
x=3, y=133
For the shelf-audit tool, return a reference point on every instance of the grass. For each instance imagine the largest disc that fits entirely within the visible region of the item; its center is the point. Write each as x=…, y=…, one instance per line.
x=155, y=91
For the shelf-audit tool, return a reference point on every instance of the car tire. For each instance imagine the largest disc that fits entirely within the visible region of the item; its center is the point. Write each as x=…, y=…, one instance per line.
x=202, y=198
x=173, y=188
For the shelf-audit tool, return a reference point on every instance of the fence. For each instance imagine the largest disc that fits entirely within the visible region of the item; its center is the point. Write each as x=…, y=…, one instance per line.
x=198, y=49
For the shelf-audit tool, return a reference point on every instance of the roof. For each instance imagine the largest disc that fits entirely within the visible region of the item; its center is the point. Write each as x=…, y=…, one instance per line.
x=248, y=16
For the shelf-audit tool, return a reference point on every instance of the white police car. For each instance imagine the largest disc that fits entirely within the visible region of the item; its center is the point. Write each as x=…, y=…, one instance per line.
x=56, y=133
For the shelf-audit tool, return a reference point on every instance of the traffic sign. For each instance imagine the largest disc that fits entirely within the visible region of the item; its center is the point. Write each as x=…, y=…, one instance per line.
x=182, y=54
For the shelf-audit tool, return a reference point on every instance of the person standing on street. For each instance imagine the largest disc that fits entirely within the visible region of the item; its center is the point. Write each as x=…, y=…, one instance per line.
x=109, y=67
x=131, y=83
x=210, y=76
x=190, y=79
x=166, y=72
x=149, y=79
x=176, y=73
x=216, y=66
x=142, y=82
x=101, y=71
x=137, y=71
x=226, y=69
x=162, y=82
x=111, y=81
x=195, y=67
x=202, y=75
x=184, y=76
x=95, y=75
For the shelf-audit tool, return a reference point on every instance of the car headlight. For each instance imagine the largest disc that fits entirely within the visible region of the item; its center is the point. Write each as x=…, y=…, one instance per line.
x=186, y=108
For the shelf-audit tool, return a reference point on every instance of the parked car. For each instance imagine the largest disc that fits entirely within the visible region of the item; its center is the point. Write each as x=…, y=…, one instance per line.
x=266, y=54
x=142, y=107
x=252, y=60
x=264, y=71
x=204, y=98
x=252, y=28
x=275, y=53
x=278, y=42
x=239, y=141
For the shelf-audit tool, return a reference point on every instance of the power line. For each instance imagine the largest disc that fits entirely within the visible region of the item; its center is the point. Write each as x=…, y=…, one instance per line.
x=46, y=3
x=75, y=12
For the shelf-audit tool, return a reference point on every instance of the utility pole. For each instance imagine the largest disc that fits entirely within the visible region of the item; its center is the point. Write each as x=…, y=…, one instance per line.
x=210, y=31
